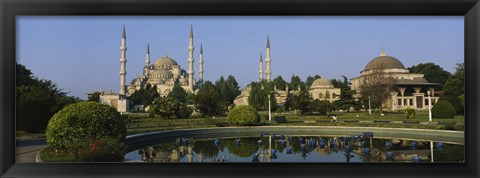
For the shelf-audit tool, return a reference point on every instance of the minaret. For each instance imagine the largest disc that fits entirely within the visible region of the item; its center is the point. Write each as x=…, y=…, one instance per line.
x=146, y=69
x=200, y=70
x=261, y=67
x=190, y=60
x=268, y=60
x=123, y=61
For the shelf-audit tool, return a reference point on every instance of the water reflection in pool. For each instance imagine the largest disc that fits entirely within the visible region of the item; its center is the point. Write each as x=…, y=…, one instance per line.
x=282, y=148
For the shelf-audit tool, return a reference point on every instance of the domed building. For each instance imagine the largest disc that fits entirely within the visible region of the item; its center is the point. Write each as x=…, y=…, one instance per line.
x=164, y=73
x=323, y=89
x=406, y=89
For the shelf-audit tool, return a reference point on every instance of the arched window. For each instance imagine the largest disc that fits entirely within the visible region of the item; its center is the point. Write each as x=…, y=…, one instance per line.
x=320, y=95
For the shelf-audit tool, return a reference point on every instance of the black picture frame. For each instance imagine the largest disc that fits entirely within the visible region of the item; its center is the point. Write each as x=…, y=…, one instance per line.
x=9, y=9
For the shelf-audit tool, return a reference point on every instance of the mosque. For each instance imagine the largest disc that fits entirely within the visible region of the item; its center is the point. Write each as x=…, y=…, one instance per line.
x=164, y=73
x=407, y=89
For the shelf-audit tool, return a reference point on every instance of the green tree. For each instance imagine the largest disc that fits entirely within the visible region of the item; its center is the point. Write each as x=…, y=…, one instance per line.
x=144, y=96
x=347, y=99
x=165, y=107
x=454, y=88
x=178, y=93
x=243, y=115
x=310, y=80
x=37, y=100
x=233, y=88
x=295, y=81
x=433, y=73
x=95, y=96
x=301, y=101
x=280, y=83
x=207, y=101
x=320, y=107
x=258, y=98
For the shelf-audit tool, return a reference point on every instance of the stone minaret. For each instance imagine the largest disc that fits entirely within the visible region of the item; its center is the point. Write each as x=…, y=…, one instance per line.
x=261, y=67
x=268, y=72
x=123, y=61
x=200, y=70
x=190, y=61
x=146, y=69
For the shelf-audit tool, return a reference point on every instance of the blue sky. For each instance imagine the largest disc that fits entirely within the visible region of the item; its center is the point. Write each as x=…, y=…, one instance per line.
x=81, y=53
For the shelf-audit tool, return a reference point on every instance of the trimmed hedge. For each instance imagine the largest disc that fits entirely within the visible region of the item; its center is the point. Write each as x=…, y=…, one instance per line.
x=443, y=109
x=243, y=115
x=80, y=125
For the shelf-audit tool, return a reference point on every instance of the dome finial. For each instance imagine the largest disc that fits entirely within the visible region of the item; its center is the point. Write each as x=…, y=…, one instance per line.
x=166, y=54
x=383, y=52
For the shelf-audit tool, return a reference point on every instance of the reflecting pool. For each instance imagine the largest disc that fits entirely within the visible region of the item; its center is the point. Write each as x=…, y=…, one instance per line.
x=284, y=148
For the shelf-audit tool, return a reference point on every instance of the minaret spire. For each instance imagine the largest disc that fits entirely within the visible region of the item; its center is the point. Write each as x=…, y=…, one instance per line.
x=190, y=60
x=146, y=69
x=200, y=70
x=123, y=61
x=261, y=67
x=268, y=72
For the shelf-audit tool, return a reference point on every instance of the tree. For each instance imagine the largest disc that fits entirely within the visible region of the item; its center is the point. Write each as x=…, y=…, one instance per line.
x=144, y=96
x=207, y=101
x=321, y=107
x=178, y=93
x=376, y=86
x=433, y=73
x=233, y=89
x=310, y=80
x=454, y=88
x=301, y=101
x=37, y=100
x=165, y=107
x=347, y=99
x=258, y=98
x=280, y=83
x=95, y=97
x=295, y=81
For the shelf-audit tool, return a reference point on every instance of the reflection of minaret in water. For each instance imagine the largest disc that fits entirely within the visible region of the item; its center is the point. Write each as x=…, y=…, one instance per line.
x=190, y=154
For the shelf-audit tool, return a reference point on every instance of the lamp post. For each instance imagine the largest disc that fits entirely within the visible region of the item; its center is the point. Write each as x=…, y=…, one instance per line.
x=369, y=109
x=429, y=107
x=269, y=110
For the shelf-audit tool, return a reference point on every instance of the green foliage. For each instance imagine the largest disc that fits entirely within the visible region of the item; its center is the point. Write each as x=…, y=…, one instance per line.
x=144, y=96
x=165, y=107
x=243, y=115
x=37, y=100
x=295, y=82
x=454, y=88
x=280, y=83
x=95, y=96
x=433, y=73
x=310, y=80
x=183, y=111
x=376, y=87
x=410, y=112
x=76, y=125
x=259, y=94
x=347, y=99
x=101, y=150
x=443, y=109
x=300, y=101
x=178, y=93
x=321, y=107
x=227, y=90
x=207, y=101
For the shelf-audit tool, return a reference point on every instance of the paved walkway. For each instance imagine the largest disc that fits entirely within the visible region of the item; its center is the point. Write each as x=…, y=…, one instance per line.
x=27, y=149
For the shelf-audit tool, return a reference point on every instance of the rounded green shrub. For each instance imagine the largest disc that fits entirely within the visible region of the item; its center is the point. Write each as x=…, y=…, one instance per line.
x=410, y=112
x=78, y=125
x=243, y=115
x=443, y=109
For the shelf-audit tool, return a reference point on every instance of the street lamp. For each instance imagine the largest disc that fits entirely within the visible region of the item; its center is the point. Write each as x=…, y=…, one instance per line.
x=429, y=106
x=369, y=109
x=269, y=110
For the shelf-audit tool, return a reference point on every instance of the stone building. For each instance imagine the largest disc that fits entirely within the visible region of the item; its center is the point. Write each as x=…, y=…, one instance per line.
x=406, y=89
x=164, y=73
x=323, y=89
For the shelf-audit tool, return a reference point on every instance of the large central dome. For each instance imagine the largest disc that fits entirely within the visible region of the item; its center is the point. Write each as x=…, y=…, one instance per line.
x=322, y=83
x=384, y=62
x=165, y=62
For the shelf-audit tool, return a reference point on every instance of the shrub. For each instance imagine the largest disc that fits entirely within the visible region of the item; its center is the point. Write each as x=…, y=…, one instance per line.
x=76, y=125
x=410, y=112
x=443, y=109
x=104, y=149
x=243, y=115
x=183, y=111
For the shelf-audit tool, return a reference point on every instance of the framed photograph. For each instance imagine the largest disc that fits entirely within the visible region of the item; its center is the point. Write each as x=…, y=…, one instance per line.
x=239, y=88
